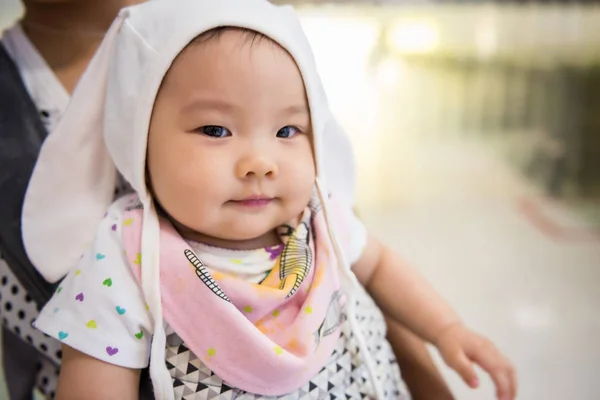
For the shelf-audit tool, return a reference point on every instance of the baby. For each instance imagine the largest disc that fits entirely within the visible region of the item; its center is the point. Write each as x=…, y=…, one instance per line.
x=237, y=270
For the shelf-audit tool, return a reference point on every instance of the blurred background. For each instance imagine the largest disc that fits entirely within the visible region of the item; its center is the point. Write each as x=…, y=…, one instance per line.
x=477, y=134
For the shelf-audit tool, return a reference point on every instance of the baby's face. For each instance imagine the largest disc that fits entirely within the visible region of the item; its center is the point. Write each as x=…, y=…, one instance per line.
x=229, y=149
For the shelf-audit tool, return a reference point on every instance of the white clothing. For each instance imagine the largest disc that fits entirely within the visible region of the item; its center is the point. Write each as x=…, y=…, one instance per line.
x=44, y=88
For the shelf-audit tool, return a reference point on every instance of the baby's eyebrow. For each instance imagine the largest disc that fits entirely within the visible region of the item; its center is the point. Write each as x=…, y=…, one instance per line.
x=295, y=109
x=212, y=104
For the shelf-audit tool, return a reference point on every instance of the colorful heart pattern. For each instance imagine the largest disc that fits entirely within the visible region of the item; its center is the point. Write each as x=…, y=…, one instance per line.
x=91, y=324
x=111, y=351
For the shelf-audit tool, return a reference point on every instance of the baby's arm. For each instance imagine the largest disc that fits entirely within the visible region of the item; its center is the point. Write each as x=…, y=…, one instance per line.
x=404, y=295
x=99, y=314
x=85, y=377
x=419, y=372
x=402, y=292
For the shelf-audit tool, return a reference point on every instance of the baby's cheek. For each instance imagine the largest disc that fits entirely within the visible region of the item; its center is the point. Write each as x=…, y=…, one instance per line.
x=301, y=173
x=299, y=188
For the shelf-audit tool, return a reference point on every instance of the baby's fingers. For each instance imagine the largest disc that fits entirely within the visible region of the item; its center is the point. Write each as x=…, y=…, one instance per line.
x=458, y=361
x=500, y=370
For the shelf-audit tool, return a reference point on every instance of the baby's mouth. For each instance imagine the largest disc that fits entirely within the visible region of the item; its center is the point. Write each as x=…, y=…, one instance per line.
x=254, y=201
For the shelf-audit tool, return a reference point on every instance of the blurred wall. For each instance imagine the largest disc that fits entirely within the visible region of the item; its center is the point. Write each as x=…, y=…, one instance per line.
x=518, y=80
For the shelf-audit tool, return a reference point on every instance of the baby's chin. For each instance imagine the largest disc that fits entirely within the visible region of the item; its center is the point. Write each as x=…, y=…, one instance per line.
x=237, y=237
x=252, y=239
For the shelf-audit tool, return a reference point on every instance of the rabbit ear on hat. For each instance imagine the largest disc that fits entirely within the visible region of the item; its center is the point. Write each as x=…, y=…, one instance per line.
x=74, y=178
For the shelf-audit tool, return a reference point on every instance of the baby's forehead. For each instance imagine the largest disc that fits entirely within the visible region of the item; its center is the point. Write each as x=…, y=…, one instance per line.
x=222, y=57
x=228, y=40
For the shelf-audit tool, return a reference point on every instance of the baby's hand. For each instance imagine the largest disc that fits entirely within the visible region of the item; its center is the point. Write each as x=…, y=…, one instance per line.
x=459, y=346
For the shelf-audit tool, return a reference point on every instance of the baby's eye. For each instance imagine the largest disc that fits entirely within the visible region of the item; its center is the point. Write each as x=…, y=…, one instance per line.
x=287, y=132
x=214, y=131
